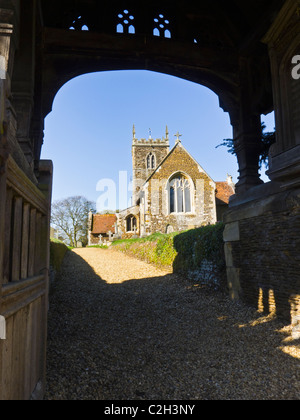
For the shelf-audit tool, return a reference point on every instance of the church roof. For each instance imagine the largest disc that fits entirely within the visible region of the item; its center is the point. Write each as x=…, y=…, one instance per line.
x=223, y=192
x=103, y=223
x=178, y=144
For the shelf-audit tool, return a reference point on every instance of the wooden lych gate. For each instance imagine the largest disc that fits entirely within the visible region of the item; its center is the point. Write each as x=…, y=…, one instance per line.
x=24, y=257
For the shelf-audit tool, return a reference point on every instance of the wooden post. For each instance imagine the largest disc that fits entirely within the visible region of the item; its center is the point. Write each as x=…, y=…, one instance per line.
x=32, y=234
x=6, y=53
x=17, y=238
x=7, y=235
x=3, y=174
x=2, y=227
x=45, y=185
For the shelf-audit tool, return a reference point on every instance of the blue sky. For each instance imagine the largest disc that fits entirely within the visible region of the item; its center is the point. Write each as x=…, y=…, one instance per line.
x=88, y=134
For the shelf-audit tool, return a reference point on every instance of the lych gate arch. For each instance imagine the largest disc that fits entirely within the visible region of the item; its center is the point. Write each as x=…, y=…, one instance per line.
x=203, y=48
x=221, y=45
x=63, y=64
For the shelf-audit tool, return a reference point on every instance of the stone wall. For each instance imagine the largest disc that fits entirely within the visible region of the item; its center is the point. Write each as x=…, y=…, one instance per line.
x=95, y=240
x=122, y=222
x=262, y=251
x=140, y=151
x=207, y=274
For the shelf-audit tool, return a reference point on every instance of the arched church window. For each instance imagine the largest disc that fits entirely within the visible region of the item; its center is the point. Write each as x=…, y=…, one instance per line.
x=134, y=224
x=79, y=24
x=180, y=197
x=151, y=161
x=131, y=224
x=125, y=23
x=161, y=27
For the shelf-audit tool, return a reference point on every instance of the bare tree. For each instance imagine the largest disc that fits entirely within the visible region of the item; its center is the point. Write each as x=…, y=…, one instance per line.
x=70, y=218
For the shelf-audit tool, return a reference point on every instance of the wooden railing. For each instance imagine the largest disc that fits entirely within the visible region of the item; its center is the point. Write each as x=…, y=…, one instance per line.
x=24, y=288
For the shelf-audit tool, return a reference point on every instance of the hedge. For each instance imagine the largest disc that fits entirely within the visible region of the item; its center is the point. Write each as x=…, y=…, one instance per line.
x=156, y=249
x=198, y=245
x=198, y=252
x=58, y=251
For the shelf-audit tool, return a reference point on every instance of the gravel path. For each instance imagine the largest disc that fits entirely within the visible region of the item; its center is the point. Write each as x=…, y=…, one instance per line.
x=122, y=329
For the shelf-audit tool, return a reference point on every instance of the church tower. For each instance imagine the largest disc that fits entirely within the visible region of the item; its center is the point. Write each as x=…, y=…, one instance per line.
x=147, y=155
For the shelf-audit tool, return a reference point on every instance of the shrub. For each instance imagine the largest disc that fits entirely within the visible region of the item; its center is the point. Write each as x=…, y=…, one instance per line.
x=157, y=248
x=198, y=253
x=98, y=246
x=185, y=251
x=58, y=251
x=198, y=245
x=165, y=250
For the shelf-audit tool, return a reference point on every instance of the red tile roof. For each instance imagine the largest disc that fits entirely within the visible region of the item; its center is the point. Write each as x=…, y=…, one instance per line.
x=103, y=223
x=223, y=192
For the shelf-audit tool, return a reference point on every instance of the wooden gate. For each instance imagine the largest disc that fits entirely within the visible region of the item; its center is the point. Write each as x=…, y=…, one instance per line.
x=24, y=263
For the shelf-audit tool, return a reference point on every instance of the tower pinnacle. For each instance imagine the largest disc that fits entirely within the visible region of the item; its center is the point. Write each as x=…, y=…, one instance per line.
x=133, y=132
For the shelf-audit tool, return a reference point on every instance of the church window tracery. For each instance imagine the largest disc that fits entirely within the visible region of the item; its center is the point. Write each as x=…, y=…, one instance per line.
x=125, y=23
x=131, y=224
x=180, y=197
x=151, y=161
x=161, y=26
x=79, y=24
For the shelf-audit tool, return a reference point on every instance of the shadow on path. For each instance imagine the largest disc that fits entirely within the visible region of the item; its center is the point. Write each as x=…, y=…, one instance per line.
x=159, y=338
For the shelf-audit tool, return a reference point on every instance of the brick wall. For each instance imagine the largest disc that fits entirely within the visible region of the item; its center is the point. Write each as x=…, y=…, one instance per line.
x=263, y=257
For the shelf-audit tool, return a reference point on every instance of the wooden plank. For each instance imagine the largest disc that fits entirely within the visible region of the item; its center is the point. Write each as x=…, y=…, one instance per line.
x=11, y=304
x=18, y=350
x=35, y=353
x=28, y=350
x=17, y=236
x=11, y=288
x=21, y=184
x=1, y=367
x=32, y=373
x=6, y=389
x=7, y=236
x=22, y=352
x=42, y=345
x=25, y=241
x=2, y=224
x=38, y=243
x=32, y=235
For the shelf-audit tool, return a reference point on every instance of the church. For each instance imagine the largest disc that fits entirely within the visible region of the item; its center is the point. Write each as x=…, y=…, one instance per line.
x=171, y=190
x=171, y=193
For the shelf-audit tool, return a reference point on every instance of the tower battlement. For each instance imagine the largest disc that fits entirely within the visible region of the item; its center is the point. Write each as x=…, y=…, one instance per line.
x=150, y=141
x=147, y=154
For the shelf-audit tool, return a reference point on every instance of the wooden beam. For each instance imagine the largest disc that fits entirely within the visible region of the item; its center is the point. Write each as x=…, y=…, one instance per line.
x=137, y=47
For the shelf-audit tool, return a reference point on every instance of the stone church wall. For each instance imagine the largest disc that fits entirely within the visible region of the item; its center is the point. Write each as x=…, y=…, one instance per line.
x=156, y=198
x=140, y=150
